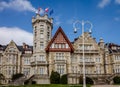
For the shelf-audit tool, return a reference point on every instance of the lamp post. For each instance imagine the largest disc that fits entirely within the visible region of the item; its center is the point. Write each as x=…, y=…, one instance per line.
x=75, y=31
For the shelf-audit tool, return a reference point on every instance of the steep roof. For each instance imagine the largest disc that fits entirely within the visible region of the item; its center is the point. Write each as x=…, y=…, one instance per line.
x=59, y=43
x=20, y=48
x=113, y=48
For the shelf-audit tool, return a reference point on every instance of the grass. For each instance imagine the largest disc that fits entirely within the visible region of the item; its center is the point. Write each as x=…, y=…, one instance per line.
x=49, y=85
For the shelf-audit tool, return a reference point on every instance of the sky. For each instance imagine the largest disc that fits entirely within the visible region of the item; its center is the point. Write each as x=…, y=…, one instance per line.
x=16, y=16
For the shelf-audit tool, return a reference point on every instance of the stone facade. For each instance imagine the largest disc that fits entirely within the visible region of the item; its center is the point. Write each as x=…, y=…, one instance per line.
x=57, y=53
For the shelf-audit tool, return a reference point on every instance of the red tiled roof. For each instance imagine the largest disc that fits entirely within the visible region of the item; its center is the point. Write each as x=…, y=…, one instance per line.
x=59, y=37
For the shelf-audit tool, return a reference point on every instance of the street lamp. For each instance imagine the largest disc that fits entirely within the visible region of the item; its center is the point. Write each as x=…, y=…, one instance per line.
x=75, y=31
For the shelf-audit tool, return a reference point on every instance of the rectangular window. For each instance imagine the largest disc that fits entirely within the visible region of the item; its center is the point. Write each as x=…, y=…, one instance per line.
x=26, y=71
x=41, y=58
x=27, y=61
x=59, y=56
x=98, y=70
x=42, y=70
x=41, y=46
x=66, y=45
x=48, y=35
x=60, y=69
x=14, y=59
x=35, y=45
x=74, y=69
x=86, y=47
x=41, y=35
x=62, y=45
x=98, y=59
x=53, y=45
x=0, y=59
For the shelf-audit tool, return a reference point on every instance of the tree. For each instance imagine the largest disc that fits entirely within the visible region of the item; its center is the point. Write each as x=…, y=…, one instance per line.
x=88, y=80
x=17, y=76
x=2, y=77
x=63, y=79
x=116, y=80
x=55, y=78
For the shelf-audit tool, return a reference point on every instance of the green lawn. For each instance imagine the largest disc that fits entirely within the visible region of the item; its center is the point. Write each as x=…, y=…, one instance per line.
x=49, y=85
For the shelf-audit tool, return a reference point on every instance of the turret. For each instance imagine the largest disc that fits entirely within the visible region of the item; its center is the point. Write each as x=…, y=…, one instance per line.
x=42, y=26
x=101, y=43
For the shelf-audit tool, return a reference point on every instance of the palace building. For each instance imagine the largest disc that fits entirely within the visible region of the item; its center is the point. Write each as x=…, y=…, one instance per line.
x=57, y=53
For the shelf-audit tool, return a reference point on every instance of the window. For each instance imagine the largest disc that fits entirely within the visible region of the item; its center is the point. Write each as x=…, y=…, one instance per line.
x=60, y=69
x=117, y=57
x=11, y=49
x=52, y=45
x=41, y=25
x=86, y=47
x=9, y=70
x=0, y=59
x=13, y=70
x=59, y=56
x=27, y=61
x=41, y=58
x=41, y=46
x=42, y=70
x=14, y=59
x=74, y=69
x=35, y=45
x=98, y=59
x=66, y=45
x=117, y=68
x=26, y=71
x=48, y=35
x=98, y=69
x=62, y=45
x=81, y=59
x=41, y=35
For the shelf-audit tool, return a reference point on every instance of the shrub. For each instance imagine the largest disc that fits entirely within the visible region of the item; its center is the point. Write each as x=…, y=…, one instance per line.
x=63, y=79
x=55, y=78
x=81, y=80
x=116, y=80
x=88, y=80
x=2, y=77
x=17, y=76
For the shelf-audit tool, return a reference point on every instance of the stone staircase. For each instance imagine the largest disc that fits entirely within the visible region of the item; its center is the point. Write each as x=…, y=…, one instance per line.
x=19, y=81
x=101, y=81
x=110, y=78
x=38, y=79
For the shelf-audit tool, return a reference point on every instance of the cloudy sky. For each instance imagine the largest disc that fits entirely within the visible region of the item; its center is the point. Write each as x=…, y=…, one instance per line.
x=15, y=18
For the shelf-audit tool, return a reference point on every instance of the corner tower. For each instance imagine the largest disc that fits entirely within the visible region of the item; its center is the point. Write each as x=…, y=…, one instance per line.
x=42, y=27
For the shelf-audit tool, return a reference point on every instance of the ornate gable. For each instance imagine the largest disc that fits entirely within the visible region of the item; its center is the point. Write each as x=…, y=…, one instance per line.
x=89, y=42
x=59, y=43
x=11, y=47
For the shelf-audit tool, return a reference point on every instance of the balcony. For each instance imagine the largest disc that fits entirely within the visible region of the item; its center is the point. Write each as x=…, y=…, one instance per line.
x=39, y=63
x=60, y=61
x=87, y=63
x=87, y=51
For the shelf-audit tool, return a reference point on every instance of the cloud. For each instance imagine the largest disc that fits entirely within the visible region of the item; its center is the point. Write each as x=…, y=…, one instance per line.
x=17, y=5
x=104, y=3
x=117, y=1
x=16, y=34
